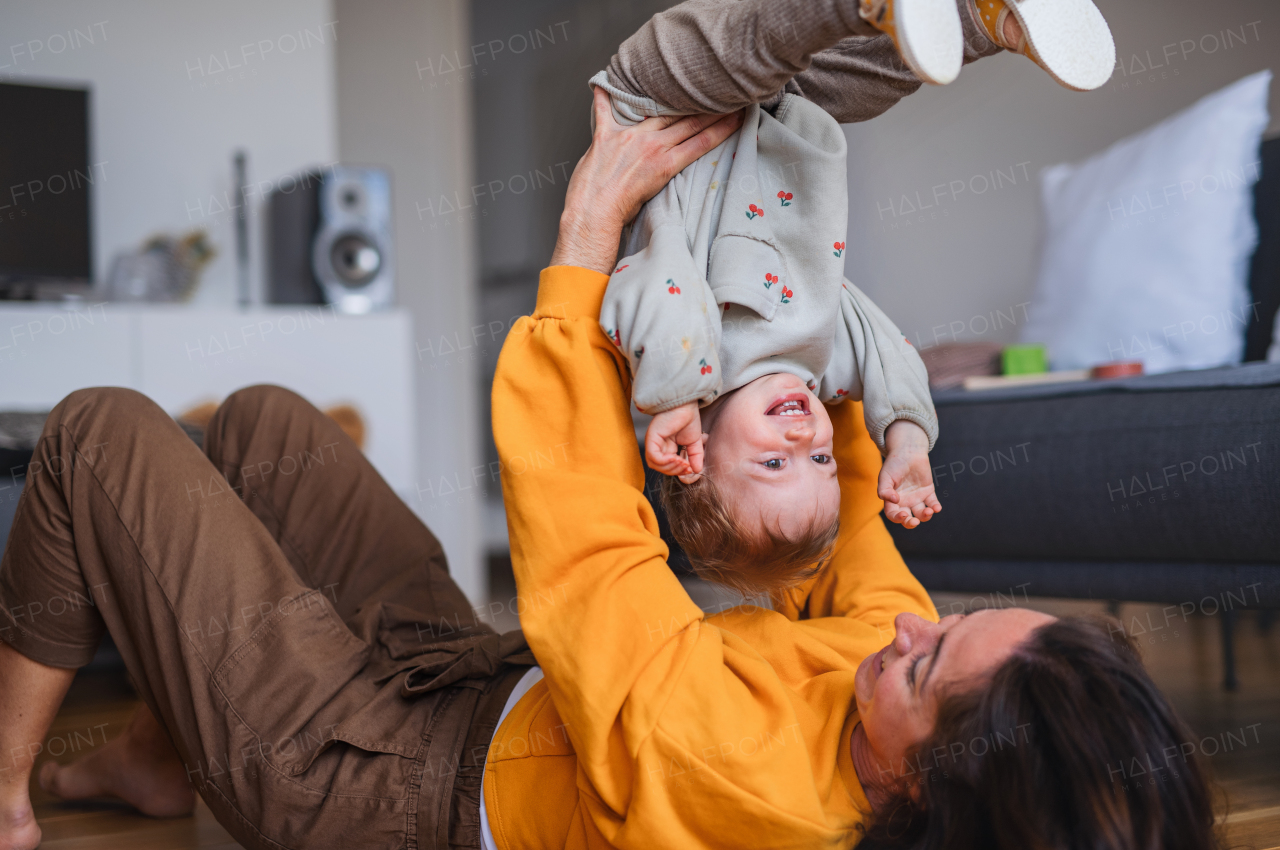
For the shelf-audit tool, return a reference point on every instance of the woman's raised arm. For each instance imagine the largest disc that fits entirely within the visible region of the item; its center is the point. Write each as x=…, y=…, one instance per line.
x=623, y=168
x=598, y=603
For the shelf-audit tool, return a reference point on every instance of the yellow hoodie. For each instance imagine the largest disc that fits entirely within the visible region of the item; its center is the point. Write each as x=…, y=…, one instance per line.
x=657, y=726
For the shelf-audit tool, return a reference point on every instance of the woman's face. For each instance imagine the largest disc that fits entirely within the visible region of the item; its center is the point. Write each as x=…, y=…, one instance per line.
x=898, y=687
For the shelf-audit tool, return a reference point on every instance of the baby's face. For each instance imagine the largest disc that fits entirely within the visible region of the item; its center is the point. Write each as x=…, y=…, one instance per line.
x=770, y=448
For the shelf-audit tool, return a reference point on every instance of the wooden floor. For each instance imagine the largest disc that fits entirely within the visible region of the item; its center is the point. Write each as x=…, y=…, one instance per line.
x=1184, y=659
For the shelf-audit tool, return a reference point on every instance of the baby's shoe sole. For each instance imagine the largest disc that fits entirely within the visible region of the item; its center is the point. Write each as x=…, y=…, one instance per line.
x=929, y=38
x=1068, y=38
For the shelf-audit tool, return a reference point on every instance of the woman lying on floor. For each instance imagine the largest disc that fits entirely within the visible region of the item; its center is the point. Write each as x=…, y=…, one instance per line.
x=309, y=668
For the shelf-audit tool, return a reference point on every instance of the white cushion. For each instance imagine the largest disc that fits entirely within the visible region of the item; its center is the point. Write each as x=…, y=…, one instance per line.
x=1147, y=244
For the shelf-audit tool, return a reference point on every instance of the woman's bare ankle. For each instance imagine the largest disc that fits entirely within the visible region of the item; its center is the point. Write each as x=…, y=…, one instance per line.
x=18, y=827
x=29, y=701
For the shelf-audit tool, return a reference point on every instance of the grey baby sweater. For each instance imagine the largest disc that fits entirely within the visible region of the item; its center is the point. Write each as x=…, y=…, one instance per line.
x=735, y=271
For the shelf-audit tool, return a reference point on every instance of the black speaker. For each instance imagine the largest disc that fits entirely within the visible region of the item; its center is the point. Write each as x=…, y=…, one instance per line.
x=329, y=240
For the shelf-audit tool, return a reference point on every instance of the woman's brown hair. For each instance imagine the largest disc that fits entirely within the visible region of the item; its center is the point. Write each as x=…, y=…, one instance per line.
x=1070, y=747
x=722, y=549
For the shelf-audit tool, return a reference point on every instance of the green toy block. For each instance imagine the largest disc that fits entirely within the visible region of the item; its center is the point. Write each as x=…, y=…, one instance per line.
x=1024, y=360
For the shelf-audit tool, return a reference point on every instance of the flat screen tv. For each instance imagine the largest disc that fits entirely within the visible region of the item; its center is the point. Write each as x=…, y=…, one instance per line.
x=46, y=186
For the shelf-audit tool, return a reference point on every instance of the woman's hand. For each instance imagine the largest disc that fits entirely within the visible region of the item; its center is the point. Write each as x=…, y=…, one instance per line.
x=623, y=168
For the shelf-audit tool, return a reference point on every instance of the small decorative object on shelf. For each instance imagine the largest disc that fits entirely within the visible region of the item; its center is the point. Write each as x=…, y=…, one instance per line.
x=1024, y=360
x=1117, y=369
x=165, y=269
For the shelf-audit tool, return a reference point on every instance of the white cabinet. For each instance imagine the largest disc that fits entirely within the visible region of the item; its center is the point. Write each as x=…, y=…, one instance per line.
x=181, y=356
x=46, y=353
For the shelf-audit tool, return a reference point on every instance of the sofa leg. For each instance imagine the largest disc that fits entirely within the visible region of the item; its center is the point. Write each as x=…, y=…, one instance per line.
x=1229, y=681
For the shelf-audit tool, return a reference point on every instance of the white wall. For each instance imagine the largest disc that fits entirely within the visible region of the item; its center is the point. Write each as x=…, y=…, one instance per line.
x=942, y=273
x=394, y=110
x=168, y=107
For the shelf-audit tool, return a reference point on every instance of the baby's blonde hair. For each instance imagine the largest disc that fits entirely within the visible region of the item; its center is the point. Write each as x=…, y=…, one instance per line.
x=722, y=549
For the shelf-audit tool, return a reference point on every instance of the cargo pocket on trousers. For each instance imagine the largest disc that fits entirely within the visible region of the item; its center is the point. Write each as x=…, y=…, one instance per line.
x=298, y=685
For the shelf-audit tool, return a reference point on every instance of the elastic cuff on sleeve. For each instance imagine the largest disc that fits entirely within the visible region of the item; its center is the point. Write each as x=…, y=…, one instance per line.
x=570, y=292
x=630, y=108
x=928, y=423
x=702, y=398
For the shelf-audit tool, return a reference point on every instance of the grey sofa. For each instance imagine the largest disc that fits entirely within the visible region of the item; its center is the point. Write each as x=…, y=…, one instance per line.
x=1162, y=488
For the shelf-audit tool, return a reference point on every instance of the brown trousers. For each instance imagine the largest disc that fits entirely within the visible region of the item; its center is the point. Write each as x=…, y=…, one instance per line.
x=283, y=613
x=721, y=55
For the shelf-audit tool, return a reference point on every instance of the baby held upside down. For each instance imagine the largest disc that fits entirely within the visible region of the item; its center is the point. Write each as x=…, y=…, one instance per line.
x=730, y=298
x=736, y=309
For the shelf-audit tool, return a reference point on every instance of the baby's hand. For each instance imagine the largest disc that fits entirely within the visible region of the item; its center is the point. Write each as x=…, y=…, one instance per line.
x=906, y=481
x=668, y=432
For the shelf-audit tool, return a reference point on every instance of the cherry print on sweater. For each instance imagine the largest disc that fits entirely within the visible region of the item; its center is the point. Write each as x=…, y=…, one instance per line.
x=672, y=288
x=820, y=338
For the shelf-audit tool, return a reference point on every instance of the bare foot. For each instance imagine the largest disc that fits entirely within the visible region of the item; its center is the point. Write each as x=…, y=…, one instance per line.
x=140, y=767
x=18, y=829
